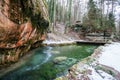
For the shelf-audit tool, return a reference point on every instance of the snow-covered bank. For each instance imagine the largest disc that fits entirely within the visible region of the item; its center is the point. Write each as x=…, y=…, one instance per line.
x=57, y=42
x=111, y=56
x=48, y=42
x=99, y=75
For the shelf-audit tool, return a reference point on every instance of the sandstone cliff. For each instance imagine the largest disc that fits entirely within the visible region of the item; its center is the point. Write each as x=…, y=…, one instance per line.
x=23, y=24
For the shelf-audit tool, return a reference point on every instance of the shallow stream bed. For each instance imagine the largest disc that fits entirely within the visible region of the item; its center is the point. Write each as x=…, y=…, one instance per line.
x=47, y=63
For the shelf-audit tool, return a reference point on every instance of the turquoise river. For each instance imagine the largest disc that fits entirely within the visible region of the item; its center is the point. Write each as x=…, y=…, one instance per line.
x=45, y=63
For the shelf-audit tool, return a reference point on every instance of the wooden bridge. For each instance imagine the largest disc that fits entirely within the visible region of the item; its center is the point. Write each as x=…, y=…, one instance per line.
x=90, y=42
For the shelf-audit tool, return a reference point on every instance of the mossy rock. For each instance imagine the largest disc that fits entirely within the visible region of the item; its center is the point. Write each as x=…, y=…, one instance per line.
x=59, y=59
x=55, y=52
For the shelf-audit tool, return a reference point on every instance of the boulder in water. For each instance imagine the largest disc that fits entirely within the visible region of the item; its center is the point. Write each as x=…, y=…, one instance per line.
x=59, y=59
x=55, y=52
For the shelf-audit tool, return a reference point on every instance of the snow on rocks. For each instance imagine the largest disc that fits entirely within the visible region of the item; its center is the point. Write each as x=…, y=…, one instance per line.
x=99, y=75
x=110, y=56
x=58, y=42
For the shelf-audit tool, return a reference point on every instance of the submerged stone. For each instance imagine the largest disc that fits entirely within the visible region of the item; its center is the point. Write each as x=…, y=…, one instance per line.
x=55, y=52
x=59, y=59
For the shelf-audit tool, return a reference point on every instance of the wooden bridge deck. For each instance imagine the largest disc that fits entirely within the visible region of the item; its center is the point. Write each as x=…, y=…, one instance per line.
x=90, y=42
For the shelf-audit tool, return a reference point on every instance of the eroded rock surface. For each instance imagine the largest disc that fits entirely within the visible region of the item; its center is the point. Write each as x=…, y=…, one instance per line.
x=23, y=24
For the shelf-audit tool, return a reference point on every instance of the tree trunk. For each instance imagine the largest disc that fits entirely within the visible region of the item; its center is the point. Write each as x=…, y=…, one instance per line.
x=54, y=17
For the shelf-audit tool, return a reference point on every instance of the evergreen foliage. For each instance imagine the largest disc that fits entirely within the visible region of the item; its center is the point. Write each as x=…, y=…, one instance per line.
x=96, y=21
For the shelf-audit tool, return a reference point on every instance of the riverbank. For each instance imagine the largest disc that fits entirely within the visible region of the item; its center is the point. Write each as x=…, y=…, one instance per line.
x=54, y=43
x=101, y=65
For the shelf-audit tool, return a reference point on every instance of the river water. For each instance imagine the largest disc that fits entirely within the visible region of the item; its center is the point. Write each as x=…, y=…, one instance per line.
x=41, y=65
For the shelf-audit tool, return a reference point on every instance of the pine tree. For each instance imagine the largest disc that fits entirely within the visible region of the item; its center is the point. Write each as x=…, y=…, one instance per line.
x=90, y=20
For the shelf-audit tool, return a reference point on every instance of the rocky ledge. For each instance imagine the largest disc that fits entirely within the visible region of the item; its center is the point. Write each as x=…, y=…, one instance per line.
x=23, y=26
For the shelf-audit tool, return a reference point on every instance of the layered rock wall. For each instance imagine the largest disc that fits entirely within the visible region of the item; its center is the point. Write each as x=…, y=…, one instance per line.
x=23, y=24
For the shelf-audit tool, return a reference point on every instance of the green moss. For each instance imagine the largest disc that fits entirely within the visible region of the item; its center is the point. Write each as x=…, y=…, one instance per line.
x=106, y=70
x=32, y=10
x=45, y=3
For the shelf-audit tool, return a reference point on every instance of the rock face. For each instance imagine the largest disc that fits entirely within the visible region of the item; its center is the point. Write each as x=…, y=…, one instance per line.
x=23, y=24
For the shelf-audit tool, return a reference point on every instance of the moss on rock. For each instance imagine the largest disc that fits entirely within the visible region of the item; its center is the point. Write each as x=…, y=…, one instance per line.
x=26, y=26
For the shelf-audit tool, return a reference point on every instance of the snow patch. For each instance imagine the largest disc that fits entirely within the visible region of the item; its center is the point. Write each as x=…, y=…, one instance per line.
x=111, y=56
x=58, y=42
x=100, y=75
